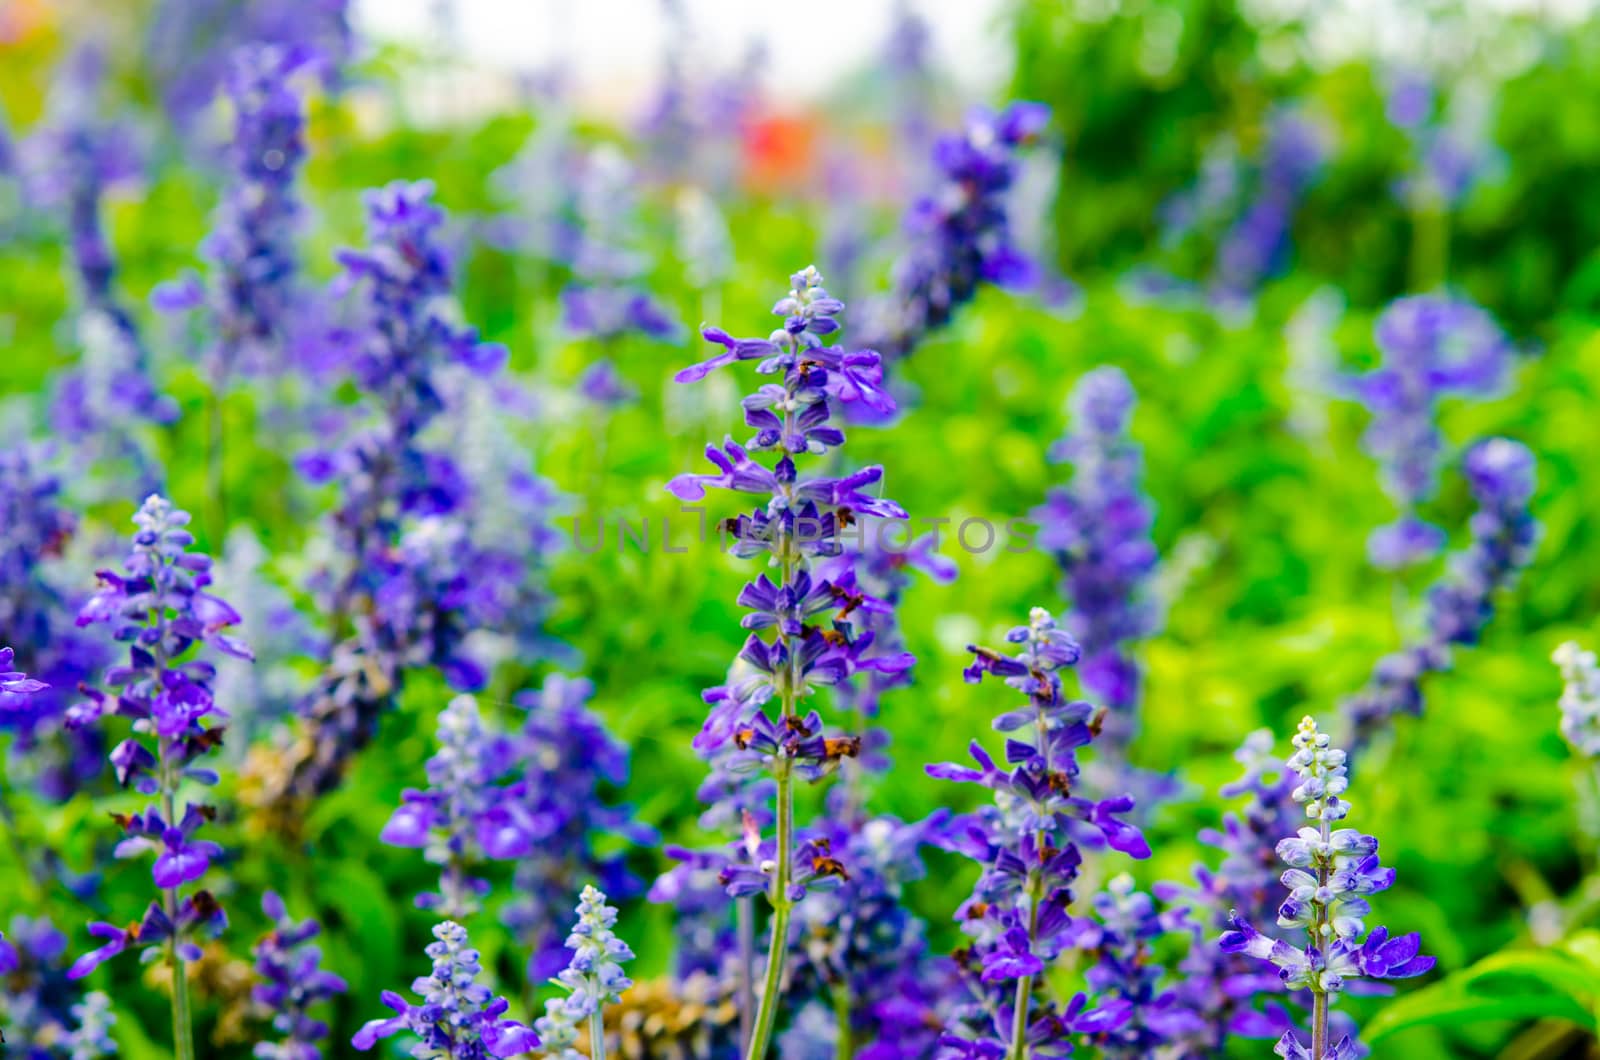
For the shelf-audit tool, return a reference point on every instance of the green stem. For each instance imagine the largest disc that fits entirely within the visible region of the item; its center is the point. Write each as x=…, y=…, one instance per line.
x=1430, y=245
x=841, y=1016
x=1019, y=1009
x=182, y=1022
x=597, y=1034
x=777, y=950
x=1319, y=996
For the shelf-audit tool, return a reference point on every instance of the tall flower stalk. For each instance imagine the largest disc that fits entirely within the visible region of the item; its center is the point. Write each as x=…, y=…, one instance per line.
x=1331, y=873
x=1433, y=347
x=292, y=980
x=1500, y=473
x=958, y=233
x=409, y=583
x=1098, y=529
x=159, y=606
x=593, y=978
x=1017, y=916
x=799, y=523
x=459, y=1018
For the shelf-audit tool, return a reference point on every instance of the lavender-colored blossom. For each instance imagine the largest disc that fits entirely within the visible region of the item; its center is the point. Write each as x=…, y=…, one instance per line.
x=44, y=1014
x=1580, y=698
x=71, y=164
x=1228, y=993
x=1331, y=873
x=459, y=1018
x=1241, y=209
x=1450, y=154
x=192, y=44
x=1017, y=917
x=594, y=977
x=410, y=582
x=1119, y=938
x=292, y=980
x=1098, y=529
x=797, y=522
x=466, y=815
x=1500, y=473
x=567, y=763
x=603, y=385
x=1433, y=347
x=958, y=234
x=15, y=682
x=606, y=299
x=158, y=605
x=692, y=129
x=1256, y=246
x=254, y=302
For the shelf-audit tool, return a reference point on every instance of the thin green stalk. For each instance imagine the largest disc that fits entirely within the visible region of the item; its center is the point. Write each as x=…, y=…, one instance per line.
x=182, y=1021
x=1430, y=245
x=597, y=1034
x=788, y=553
x=772, y=986
x=1319, y=996
x=841, y=1017
x=1019, y=1009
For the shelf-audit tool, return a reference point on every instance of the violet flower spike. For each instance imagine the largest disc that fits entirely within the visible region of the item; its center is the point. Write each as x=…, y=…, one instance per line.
x=1098, y=530
x=1331, y=871
x=797, y=522
x=1433, y=347
x=1459, y=606
x=594, y=977
x=459, y=1018
x=958, y=234
x=1018, y=915
x=410, y=582
x=159, y=606
x=291, y=982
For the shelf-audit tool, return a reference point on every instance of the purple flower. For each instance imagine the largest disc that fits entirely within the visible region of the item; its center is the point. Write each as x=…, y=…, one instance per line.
x=605, y=300
x=1460, y=604
x=1433, y=347
x=797, y=521
x=14, y=682
x=1098, y=528
x=468, y=814
x=1330, y=871
x=958, y=234
x=1017, y=915
x=192, y=44
x=565, y=761
x=459, y=1019
x=158, y=605
x=41, y=1003
x=290, y=981
x=255, y=303
x=410, y=582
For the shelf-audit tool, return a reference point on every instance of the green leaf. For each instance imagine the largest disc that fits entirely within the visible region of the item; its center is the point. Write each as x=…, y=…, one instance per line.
x=1496, y=988
x=1555, y=969
x=1437, y=1005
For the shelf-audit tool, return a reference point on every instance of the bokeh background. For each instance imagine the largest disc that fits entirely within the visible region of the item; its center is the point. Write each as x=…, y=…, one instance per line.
x=1263, y=493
